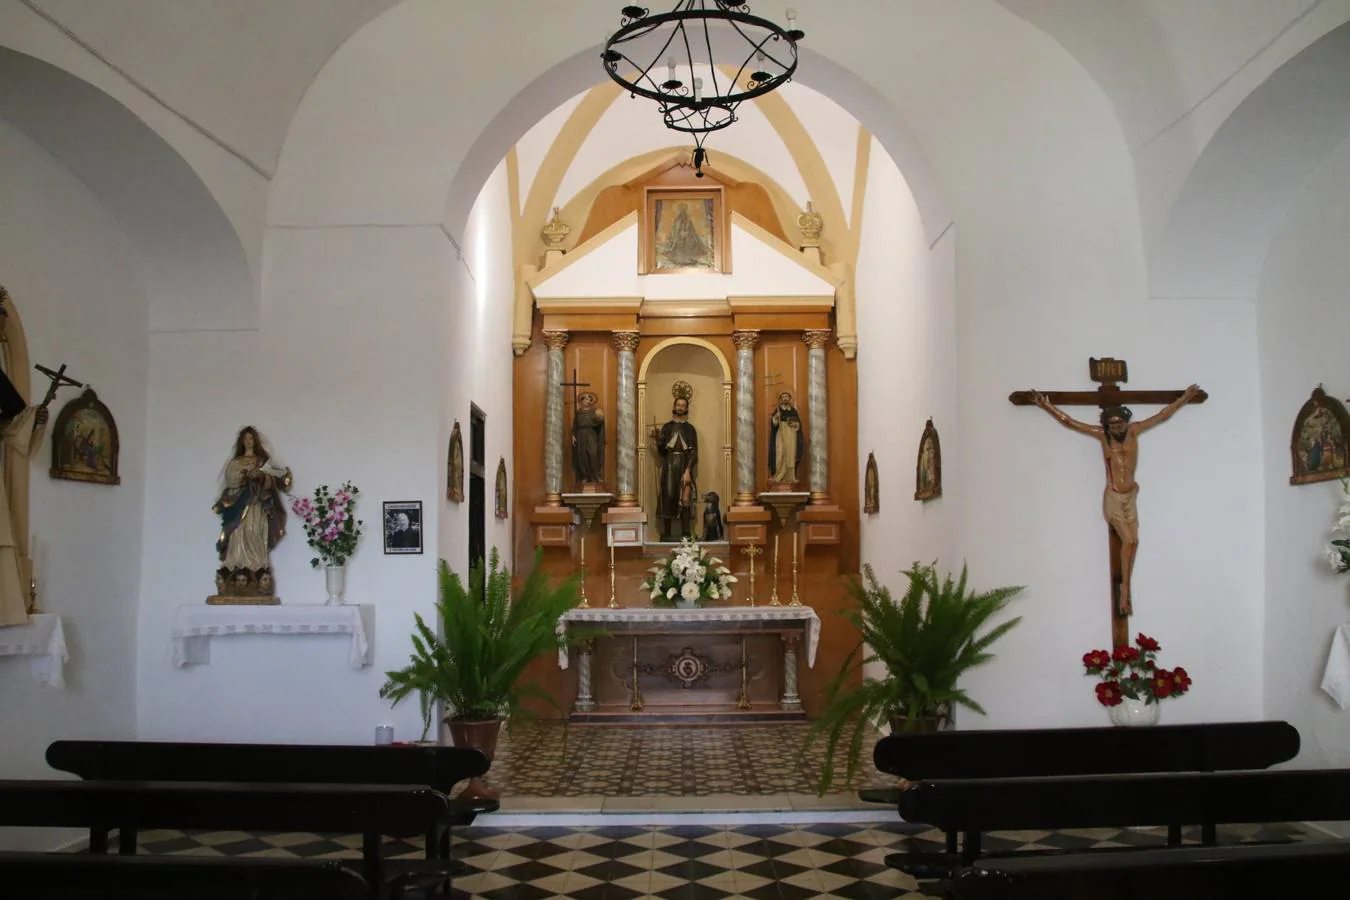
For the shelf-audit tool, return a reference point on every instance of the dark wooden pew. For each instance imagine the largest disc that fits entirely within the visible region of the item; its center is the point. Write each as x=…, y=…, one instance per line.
x=1029, y=753
x=440, y=768
x=78, y=876
x=373, y=811
x=1257, y=872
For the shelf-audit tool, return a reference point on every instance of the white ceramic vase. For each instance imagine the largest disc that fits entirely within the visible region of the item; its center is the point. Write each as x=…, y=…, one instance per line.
x=1131, y=712
x=335, y=579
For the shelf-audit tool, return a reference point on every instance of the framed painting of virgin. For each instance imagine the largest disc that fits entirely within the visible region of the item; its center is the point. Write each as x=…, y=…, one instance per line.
x=684, y=232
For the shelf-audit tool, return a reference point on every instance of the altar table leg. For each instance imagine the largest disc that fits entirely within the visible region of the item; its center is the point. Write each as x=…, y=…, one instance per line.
x=790, y=702
x=585, y=696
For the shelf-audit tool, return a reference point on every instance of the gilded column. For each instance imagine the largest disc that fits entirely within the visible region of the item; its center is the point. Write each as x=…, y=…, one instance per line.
x=745, y=342
x=626, y=343
x=818, y=414
x=553, y=418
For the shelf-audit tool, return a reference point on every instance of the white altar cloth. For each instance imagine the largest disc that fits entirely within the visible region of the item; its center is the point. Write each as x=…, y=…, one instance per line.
x=598, y=616
x=1336, y=676
x=194, y=626
x=43, y=639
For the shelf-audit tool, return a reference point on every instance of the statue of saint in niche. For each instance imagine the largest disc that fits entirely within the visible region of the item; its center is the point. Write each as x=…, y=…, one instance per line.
x=588, y=441
x=677, y=485
x=785, y=444
x=252, y=520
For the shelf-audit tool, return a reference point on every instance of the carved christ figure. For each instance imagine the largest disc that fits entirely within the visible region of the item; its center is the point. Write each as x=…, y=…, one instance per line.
x=1120, y=452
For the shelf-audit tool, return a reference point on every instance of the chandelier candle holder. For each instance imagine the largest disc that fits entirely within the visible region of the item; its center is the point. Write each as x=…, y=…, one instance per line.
x=701, y=61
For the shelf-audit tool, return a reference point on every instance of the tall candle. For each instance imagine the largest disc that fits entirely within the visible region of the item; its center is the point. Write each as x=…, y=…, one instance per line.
x=775, y=553
x=611, y=556
x=794, y=548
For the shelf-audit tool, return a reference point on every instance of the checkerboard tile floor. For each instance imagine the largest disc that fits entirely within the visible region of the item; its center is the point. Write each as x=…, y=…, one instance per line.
x=643, y=761
x=763, y=862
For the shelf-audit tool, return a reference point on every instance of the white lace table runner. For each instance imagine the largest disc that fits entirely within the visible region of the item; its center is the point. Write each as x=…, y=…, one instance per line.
x=598, y=616
x=43, y=639
x=194, y=626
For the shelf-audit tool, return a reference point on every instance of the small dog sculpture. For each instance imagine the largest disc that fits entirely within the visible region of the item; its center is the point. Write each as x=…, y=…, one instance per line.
x=712, y=517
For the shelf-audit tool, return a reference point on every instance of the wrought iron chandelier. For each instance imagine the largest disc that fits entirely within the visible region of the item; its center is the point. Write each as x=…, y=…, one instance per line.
x=664, y=57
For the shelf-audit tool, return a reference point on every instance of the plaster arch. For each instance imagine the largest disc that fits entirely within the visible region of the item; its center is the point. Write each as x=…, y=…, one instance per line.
x=1220, y=228
x=434, y=157
x=192, y=263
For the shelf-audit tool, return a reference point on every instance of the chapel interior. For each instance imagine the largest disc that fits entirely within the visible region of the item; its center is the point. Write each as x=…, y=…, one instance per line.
x=432, y=250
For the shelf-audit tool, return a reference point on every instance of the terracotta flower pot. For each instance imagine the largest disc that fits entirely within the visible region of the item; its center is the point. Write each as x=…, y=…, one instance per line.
x=481, y=736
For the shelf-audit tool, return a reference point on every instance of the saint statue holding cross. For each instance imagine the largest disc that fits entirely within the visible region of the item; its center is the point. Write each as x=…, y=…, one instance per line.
x=1119, y=440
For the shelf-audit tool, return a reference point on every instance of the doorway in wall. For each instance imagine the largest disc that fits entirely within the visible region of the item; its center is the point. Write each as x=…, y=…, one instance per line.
x=477, y=486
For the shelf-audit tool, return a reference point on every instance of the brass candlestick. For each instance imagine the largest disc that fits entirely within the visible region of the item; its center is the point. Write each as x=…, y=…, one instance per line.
x=752, y=551
x=744, y=701
x=773, y=595
x=636, y=704
x=584, y=604
x=613, y=600
x=795, y=601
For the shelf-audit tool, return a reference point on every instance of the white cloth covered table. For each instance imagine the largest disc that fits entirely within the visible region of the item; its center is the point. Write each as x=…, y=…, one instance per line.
x=45, y=641
x=1336, y=676
x=731, y=616
x=194, y=626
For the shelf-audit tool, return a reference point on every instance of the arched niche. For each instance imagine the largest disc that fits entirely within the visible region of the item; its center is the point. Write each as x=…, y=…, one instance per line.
x=703, y=365
x=17, y=365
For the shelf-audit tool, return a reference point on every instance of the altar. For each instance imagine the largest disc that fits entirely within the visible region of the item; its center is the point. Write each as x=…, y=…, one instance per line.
x=717, y=664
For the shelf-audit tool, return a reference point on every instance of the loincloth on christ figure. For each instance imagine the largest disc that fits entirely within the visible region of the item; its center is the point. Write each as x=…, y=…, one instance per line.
x=1119, y=506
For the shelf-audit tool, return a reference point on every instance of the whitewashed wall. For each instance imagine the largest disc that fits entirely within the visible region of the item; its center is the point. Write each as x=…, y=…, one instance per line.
x=906, y=374
x=1304, y=320
x=79, y=294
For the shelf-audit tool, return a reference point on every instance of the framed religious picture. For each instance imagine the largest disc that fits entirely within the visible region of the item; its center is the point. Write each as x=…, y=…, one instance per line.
x=684, y=232
x=871, y=488
x=501, y=488
x=928, y=471
x=1319, y=443
x=403, y=526
x=454, y=467
x=85, y=446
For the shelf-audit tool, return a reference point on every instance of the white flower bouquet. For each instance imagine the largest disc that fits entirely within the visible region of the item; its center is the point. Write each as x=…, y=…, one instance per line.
x=690, y=577
x=1338, y=548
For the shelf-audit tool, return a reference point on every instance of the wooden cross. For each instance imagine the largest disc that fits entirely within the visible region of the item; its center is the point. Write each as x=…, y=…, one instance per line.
x=574, y=384
x=1109, y=374
x=59, y=379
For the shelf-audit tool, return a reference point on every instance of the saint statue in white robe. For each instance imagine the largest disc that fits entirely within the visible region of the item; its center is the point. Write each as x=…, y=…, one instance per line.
x=21, y=434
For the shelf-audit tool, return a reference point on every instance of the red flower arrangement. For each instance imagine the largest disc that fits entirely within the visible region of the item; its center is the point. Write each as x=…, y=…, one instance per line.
x=1133, y=672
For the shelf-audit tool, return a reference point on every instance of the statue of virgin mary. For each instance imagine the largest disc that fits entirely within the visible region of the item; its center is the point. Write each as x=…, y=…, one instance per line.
x=252, y=518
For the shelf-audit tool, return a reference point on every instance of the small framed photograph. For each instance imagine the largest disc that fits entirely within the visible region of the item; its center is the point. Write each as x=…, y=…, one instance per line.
x=403, y=526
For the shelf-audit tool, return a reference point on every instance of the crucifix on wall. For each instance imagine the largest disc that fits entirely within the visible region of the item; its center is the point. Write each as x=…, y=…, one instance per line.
x=1119, y=440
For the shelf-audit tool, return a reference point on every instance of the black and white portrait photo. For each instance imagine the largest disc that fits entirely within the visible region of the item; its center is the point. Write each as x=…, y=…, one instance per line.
x=403, y=526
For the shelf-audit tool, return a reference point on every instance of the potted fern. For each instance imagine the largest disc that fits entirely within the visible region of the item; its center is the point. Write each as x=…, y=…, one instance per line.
x=926, y=642
x=486, y=638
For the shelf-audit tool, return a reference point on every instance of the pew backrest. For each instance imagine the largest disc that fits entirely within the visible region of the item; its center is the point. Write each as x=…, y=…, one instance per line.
x=1022, y=753
x=437, y=767
x=393, y=810
x=994, y=804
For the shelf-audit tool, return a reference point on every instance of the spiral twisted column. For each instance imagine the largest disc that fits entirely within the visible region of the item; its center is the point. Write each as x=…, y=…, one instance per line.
x=553, y=418
x=745, y=342
x=818, y=413
x=626, y=343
